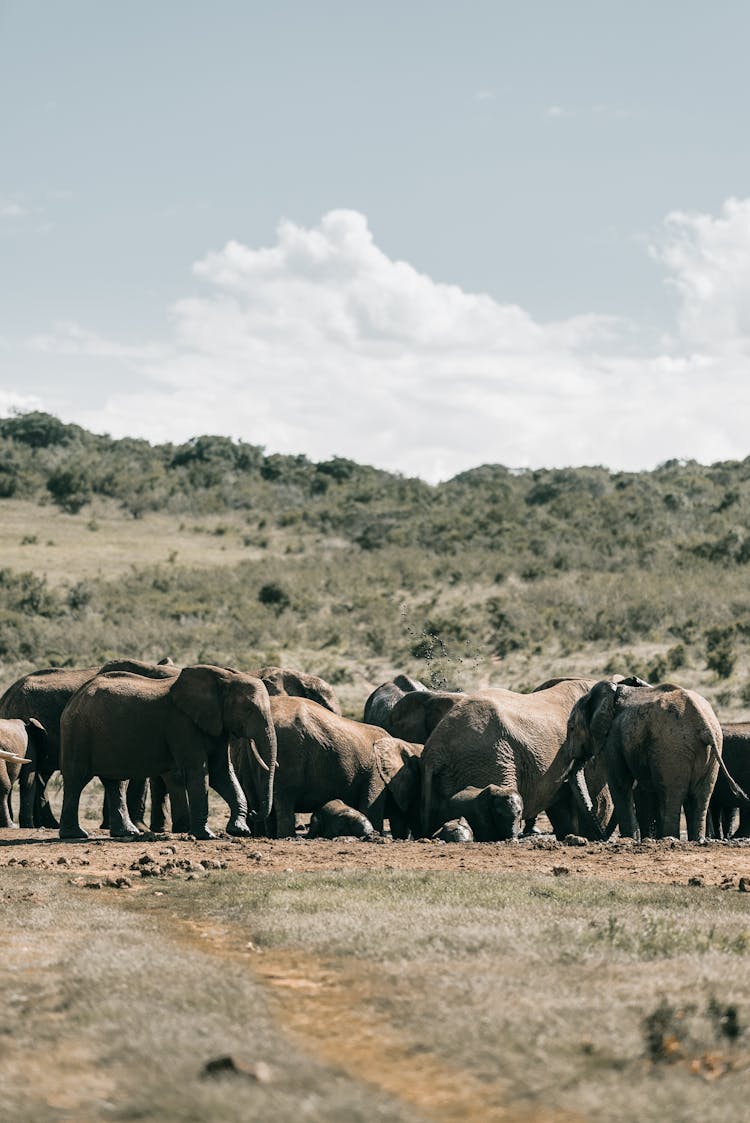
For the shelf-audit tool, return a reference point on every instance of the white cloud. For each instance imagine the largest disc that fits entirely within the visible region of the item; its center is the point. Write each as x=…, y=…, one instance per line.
x=69, y=338
x=10, y=401
x=323, y=344
x=11, y=208
x=554, y=111
x=485, y=95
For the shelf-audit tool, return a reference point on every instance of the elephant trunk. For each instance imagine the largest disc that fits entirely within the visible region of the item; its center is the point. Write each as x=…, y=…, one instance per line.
x=262, y=750
x=589, y=821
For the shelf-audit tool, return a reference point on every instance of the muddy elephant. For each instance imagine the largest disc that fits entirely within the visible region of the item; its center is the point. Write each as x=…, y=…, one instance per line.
x=322, y=756
x=336, y=819
x=493, y=813
x=515, y=741
x=724, y=805
x=665, y=738
x=414, y=716
x=279, y=680
x=455, y=830
x=44, y=695
x=380, y=703
x=16, y=737
x=120, y=726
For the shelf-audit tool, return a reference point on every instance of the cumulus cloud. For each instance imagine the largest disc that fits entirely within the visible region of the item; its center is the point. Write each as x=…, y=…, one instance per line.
x=321, y=343
x=11, y=208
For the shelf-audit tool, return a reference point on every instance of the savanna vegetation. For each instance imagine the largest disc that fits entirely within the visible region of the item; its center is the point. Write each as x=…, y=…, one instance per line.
x=213, y=550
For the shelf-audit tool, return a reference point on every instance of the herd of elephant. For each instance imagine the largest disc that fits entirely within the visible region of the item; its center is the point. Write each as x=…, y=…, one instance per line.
x=594, y=755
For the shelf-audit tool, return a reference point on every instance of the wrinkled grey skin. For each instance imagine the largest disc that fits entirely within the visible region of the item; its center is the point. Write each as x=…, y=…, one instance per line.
x=416, y=715
x=323, y=756
x=44, y=695
x=336, y=819
x=493, y=813
x=296, y=684
x=512, y=740
x=724, y=805
x=665, y=738
x=16, y=738
x=120, y=726
x=380, y=704
x=455, y=830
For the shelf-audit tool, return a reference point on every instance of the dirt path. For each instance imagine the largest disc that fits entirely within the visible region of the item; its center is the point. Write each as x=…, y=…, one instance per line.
x=330, y=1009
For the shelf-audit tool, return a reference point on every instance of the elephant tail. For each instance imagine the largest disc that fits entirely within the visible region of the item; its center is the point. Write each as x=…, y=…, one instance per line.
x=742, y=798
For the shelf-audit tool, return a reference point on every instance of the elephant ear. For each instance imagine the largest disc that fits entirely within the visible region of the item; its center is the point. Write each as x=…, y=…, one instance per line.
x=601, y=712
x=398, y=766
x=199, y=693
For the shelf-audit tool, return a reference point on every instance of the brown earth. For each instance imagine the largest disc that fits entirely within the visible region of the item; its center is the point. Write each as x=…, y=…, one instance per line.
x=656, y=862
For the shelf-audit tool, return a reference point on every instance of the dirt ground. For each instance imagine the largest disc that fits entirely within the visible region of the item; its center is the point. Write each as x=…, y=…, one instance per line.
x=656, y=862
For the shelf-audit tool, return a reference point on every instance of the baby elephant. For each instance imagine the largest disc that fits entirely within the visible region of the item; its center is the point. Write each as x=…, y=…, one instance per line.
x=455, y=830
x=17, y=737
x=493, y=813
x=336, y=819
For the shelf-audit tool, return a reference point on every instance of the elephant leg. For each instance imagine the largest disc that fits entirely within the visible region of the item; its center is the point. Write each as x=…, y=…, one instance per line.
x=696, y=807
x=158, y=820
x=222, y=778
x=120, y=823
x=43, y=814
x=283, y=812
x=29, y=783
x=622, y=796
x=179, y=807
x=73, y=785
x=136, y=802
x=196, y=780
x=670, y=806
x=714, y=819
x=6, y=819
x=729, y=819
x=104, y=825
x=743, y=830
x=530, y=827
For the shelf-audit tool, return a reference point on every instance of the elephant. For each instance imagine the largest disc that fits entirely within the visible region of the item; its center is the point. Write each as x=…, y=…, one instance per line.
x=416, y=714
x=513, y=740
x=44, y=695
x=278, y=680
x=493, y=813
x=455, y=830
x=336, y=819
x=15, y=737
x=665, y=738
x=380, y=704
x=723, y=804
x=321, y=757
x=120, y=725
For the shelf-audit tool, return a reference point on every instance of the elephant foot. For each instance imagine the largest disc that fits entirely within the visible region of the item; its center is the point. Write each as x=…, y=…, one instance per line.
x=70, y=833
x=239, y=828
x=49, y=820
x=126, y=834
x=202, y=833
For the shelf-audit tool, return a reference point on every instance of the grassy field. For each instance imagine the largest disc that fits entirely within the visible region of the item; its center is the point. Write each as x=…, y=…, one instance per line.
x=393, y=995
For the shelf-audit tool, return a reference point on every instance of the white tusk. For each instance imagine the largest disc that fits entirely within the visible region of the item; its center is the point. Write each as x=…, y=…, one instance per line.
x=5, y=755
x=258, y=757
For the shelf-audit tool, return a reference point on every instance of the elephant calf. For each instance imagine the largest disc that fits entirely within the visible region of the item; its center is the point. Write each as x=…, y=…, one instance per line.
x=336, y=819
x=455, y=830
x=494, y=813
x=16, y=736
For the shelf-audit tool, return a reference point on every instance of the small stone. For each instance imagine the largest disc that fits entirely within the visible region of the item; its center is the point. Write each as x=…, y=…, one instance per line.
x=560, y=871
x=227, y=1065
x=93, y=883
x=63, y=861
x=575, y=840
x=119, y=883
x=145, y=860
x=697, y=881
x=744, y=885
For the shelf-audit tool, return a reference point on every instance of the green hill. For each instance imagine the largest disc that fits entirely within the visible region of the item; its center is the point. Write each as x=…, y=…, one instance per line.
x=214, y=550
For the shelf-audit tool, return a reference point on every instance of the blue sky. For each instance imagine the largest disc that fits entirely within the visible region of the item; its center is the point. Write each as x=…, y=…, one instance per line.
x=498, y=277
